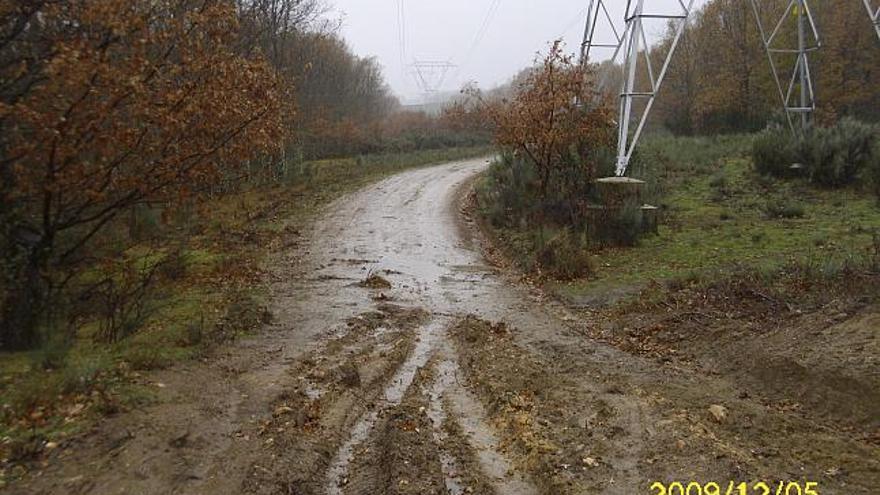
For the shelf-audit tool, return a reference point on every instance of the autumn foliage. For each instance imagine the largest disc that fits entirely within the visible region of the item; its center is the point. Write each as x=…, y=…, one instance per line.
x=556, y=121
x=720, y=80
x=108, y=104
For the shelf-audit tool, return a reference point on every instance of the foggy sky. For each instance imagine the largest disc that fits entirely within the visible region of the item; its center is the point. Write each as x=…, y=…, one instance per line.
x=445, y=30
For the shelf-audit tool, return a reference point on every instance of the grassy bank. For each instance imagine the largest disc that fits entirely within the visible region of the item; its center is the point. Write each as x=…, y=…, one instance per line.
x=718, y=213
x=212, y=292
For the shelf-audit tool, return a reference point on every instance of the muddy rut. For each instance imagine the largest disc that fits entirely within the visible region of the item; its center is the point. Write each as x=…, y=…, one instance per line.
x=401, y=362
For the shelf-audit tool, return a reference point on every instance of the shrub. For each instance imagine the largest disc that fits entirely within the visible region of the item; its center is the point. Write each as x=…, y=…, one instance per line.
x=124, y=298
x=718, y=181
x=833, y=156
x=836, y=155
x=175, y=264
x=545, y=122
x=872, y=171
x=565, y=256
x=774, y=152
x=620, y=227
x=146, y=358
x=508, y=193
x=784, y=209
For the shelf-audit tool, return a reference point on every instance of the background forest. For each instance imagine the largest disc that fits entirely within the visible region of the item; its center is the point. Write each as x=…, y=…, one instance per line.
x=720, y=80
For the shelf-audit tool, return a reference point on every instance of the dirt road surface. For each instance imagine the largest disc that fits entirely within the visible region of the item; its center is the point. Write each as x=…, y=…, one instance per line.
x=401, y=361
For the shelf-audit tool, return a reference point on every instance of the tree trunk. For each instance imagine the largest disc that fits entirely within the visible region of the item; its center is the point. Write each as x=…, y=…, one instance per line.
x=23, y=304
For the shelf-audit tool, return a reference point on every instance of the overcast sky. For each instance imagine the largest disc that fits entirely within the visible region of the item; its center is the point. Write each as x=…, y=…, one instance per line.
x=446, y=30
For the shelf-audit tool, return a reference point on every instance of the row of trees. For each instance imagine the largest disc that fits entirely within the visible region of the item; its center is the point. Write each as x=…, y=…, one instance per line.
x=720, y=81
x=110, y=105
x=106, y=105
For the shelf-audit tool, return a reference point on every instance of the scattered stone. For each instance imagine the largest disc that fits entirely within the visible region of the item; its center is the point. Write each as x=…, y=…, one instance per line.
x=832, y=472
x=718, y=412
x=74, y=480
x=180, y=441
x=349, y=376
x=282, y=410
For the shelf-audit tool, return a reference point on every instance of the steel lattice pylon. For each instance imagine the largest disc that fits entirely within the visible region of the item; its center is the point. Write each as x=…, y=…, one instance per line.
x=874, y=14
x=431, y=74
x=632, y=42
x=799, y=96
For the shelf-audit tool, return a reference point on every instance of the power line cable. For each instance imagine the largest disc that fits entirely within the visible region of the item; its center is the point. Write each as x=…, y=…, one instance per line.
x=578, y=18
x=480, y=35
x=401, y=35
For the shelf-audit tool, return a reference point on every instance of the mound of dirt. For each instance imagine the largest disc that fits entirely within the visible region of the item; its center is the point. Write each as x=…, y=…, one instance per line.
x=805, y=346
x=375, y=281
x=532, y=409
x=582, y=419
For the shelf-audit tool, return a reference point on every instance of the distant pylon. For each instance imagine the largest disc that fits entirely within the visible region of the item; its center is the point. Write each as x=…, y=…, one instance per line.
x=431, y=74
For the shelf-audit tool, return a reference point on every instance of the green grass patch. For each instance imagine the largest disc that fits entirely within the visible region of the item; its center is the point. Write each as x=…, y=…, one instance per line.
x=720, y=213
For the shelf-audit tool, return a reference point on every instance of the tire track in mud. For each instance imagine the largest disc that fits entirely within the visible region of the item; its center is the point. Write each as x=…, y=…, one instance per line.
x=454, y=408
x=330, y=388
x=426, y=341
x=427, y=378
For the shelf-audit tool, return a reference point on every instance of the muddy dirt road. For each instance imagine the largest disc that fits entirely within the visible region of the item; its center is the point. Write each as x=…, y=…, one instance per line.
x=400, y=361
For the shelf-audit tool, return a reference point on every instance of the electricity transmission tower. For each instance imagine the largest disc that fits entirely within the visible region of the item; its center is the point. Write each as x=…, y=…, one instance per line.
x=637, y=95
x=798, y=97
x=430, y=74
x=596, y=13
x=794, y=37
x=874, y=14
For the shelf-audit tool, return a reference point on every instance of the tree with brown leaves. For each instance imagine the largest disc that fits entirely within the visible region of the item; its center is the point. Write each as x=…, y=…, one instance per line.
x=556, y=120
x=107, y=104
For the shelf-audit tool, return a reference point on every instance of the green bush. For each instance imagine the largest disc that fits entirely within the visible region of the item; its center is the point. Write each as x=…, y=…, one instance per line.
x=620, y=227
x=832, y=156
x=774, y=152
x=836, y=155
x=570, y=210
x=872, y=171
x=508, y=194
x=555, y=230
x=784, y=209
x=718, y=181
x=565, y=256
